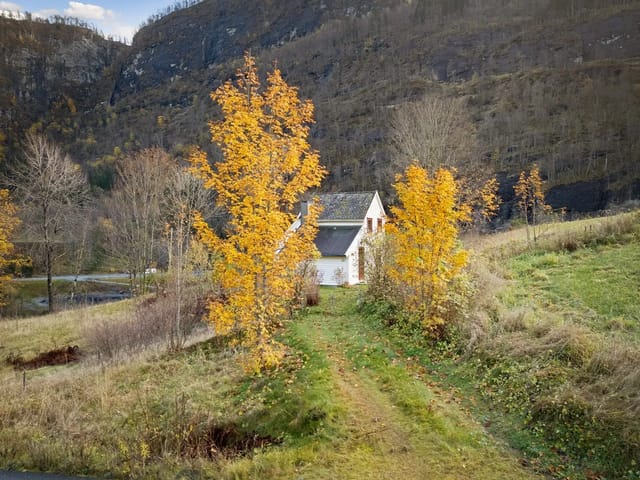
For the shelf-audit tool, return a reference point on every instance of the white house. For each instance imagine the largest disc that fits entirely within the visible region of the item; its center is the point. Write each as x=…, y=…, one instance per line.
x=345, y=220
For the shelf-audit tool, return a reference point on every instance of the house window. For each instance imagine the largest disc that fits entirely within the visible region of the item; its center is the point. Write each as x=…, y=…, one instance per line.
x=369, y=224
x=379, y=224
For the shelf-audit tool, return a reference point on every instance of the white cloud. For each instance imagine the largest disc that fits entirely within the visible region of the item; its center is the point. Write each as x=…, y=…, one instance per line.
x=10, y=6
x=11, y=10
x=120, y=30
x=18, y=11
x=88, y=11
x=104, y=19
x=46, y=13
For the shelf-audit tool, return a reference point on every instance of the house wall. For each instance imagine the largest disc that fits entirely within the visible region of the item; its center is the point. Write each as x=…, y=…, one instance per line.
x=349, y=263
x=352, y=260
x=375, y=212
x=327, y=267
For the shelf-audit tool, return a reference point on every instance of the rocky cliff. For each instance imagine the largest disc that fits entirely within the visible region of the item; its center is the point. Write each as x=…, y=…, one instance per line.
x=541, y=82
x=49, y=73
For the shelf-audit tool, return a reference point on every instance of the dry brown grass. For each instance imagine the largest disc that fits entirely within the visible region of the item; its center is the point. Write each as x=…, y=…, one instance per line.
x=152, y=322
x=95, y=416
x=586, y=365
x=568, y=342
x=554, y=236
x=28, y=337
x=612, y=383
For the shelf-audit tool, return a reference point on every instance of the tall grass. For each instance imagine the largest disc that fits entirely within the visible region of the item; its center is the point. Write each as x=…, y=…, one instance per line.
x=342, y=405
x=556, y=338
x=559, y=236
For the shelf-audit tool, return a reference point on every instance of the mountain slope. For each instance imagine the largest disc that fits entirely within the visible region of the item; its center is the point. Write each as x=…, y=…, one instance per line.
x=554, y=84
x=49, y=73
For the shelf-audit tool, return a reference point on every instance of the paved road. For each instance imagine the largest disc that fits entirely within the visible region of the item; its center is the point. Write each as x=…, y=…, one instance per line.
x=36, y=476
x=97, y=277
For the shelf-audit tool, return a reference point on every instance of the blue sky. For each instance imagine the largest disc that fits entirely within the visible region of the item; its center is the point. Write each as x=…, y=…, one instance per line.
x=120, y=18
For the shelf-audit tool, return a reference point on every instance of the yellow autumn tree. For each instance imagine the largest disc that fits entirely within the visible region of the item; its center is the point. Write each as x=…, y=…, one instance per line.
x=530, y=198
x=488, y=200
x=268, y=165
x=8, y=222
x=425, y=233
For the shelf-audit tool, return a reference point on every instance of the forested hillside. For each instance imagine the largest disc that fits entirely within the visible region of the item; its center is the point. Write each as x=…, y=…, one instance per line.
x=552, y=83
x=51, y=79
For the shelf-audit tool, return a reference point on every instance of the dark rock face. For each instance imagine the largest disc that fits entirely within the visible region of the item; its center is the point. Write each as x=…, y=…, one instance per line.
x=580, y=197
x=216, y=31
x=617, y=36
x=509, y=50
x=40, y=58
x=45, y=66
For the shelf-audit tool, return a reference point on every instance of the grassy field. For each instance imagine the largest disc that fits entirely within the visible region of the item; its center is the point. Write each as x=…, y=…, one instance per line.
x=347, y=403
x=540, y=380
x=557, y=346
x=599, y=286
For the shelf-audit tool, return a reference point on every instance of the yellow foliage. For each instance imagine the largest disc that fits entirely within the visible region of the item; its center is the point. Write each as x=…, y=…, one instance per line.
x=268, y=165
x=489, y=199
x=8, y=223
x=425, y=230
x=71, y=105
x=530, y=197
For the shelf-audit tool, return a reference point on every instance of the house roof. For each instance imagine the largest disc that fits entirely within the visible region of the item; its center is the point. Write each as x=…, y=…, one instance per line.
x=345, y=206
x=335, y=241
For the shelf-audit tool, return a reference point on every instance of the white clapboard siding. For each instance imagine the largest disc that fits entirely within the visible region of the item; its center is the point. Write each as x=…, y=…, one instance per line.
x=327, y=267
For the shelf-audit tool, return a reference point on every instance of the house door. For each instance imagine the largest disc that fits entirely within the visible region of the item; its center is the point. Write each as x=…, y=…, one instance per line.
x=361, y=264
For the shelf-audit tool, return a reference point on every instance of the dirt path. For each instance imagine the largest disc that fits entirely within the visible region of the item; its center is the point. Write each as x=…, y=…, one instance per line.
x=374, y=425
x=397, y=427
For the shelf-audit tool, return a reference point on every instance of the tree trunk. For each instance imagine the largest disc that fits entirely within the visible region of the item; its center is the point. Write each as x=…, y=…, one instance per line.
x=49, y=279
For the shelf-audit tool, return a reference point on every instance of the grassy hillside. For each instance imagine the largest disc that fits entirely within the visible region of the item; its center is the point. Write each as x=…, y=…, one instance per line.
x=557, y=345
x=540, y=381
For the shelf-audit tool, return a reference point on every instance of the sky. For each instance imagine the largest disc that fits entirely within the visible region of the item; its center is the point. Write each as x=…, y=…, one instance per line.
x=119, y=18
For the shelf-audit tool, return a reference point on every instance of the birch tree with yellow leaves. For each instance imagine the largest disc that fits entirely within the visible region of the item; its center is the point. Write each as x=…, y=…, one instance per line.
x=428, y=258
x=268, y=166
x=488, y=202
x=530, y=197
x=8, y=222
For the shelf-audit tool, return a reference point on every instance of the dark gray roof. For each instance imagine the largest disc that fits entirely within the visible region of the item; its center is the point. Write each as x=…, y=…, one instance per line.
x=334, y=241
x=345, y=206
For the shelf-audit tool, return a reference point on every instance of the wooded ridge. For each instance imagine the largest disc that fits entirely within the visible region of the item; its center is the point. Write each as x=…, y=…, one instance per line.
x=537, y=82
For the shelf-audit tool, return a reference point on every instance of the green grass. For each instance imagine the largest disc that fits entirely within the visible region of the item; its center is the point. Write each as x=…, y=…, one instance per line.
x=598, y=286
x=559, y=353
x=353, y=398
x=346, y=403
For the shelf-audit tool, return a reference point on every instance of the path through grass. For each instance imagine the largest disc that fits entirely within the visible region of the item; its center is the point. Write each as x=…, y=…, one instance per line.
x=347, y=404
x=395, y=425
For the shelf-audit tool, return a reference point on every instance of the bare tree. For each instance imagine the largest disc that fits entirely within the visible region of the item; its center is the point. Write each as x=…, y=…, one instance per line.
x=51, y=189
x=83, y=244
x=185, y=196
x=135, y=220
x=434, y=132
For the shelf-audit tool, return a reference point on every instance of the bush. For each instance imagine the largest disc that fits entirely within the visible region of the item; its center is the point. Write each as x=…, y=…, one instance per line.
x=154, y=321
